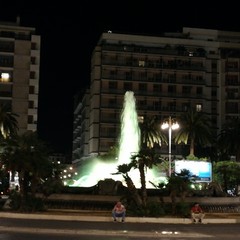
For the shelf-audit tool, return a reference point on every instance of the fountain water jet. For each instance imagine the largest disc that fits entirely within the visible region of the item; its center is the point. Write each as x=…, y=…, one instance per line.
x=94, y=170
x=130, y=134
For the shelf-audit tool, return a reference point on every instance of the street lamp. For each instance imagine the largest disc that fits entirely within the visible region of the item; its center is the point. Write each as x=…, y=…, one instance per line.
x=171, y=125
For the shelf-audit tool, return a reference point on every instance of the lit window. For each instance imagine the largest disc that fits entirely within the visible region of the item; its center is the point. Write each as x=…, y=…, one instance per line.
x=141, y=63
x=199, y=107
x=5, y=77
x=190, y=54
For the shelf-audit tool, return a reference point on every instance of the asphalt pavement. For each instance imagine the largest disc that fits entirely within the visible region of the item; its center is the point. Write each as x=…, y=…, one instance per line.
x=100, y=223
x=100, y=216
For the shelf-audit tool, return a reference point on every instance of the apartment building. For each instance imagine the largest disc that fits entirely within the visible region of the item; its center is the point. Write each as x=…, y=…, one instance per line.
x=195, y=68
x=19, y=72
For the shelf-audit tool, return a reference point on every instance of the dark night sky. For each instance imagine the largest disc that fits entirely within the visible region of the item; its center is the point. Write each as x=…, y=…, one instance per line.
x=69, y=32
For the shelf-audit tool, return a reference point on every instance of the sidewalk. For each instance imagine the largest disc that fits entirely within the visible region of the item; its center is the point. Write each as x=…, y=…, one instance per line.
x=103, y=216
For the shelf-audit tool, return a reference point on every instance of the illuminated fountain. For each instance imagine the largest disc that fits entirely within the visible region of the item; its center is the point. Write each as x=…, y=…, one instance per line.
x=94, y=170
x=129, y=142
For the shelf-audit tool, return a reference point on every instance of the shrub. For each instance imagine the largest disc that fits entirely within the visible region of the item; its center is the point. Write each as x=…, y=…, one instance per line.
x=153, y=209
x=27, y=204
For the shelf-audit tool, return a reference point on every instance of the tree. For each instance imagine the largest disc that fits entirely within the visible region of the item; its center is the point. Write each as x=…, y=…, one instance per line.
x=124, y=169
x=179, y=185
x=227, y=174
x=195, y=129
x=146, y=158
x=8, y=129
x=151, y=133
x=28, y=156
x=8, y=122
x=228, y=140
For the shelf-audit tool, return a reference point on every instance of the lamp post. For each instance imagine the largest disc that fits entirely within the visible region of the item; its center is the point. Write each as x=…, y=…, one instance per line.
x=171, y=125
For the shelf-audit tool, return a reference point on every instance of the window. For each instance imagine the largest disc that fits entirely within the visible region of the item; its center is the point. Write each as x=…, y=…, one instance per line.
x=33, y=46
x=31, y=89
x=231, y=79
x=32, y=75
x=199, y=90
x=33, y=60
x=186, y=89
x=142, y=87
x=142, y=103
x=141, y=63
x=128, y=75
x=6, y=61
x=172, y=89
x=231, y=107
x=157, y=105
x=172, y=106
x=143, y=76
x=112, y=85
x=231, y=65
x=214, y=66
x=198, y=107
x=157, y=88
x=30, y=119
x=185, y=106
x=214, y=93
x=31, y=104
x=4, y=77
x=232, y=93
x=112, y=102
x=127, y=86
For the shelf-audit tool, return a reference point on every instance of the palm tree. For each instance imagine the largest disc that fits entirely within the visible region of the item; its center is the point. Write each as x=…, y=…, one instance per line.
x=8, y=122
x=124, y=169
x=229, y=140
x=195, y=129
x=146, y=158
x=179, y=184
x=8, y=128
x=28, y=156
x=151, y=133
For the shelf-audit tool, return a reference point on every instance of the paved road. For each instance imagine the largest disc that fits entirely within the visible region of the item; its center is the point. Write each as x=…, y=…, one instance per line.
x=70, y=229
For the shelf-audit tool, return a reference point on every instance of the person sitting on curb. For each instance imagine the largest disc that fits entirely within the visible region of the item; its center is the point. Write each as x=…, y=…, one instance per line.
x=197, y=213
x=119, y=211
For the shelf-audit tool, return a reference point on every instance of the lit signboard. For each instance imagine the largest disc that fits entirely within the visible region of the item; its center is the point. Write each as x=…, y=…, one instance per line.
x=200, y=170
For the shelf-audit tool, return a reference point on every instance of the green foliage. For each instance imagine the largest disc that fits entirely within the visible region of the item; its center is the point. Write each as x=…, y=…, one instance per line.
x=4, y=178
x=180, y=183
x=152, y=209
x=25, y=204
x=125, y=168
x=228, y=140
x=183, y=209
x=150, y=133
x=195, y=128
x=51, y=185
x=15, y=200
x=8, y=122
x=226, y=173
x=157, y=209
x=194, y=158
x=27, y=155
x=191, y=157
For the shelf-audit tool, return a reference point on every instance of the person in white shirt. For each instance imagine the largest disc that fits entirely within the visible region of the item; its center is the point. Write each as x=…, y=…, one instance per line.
x=119, y=211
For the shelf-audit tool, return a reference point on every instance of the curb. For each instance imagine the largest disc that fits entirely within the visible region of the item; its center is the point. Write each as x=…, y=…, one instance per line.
x=92, y=218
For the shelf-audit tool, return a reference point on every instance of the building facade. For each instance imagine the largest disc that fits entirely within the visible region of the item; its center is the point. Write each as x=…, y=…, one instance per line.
x=197, y=68
x=19, y=72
